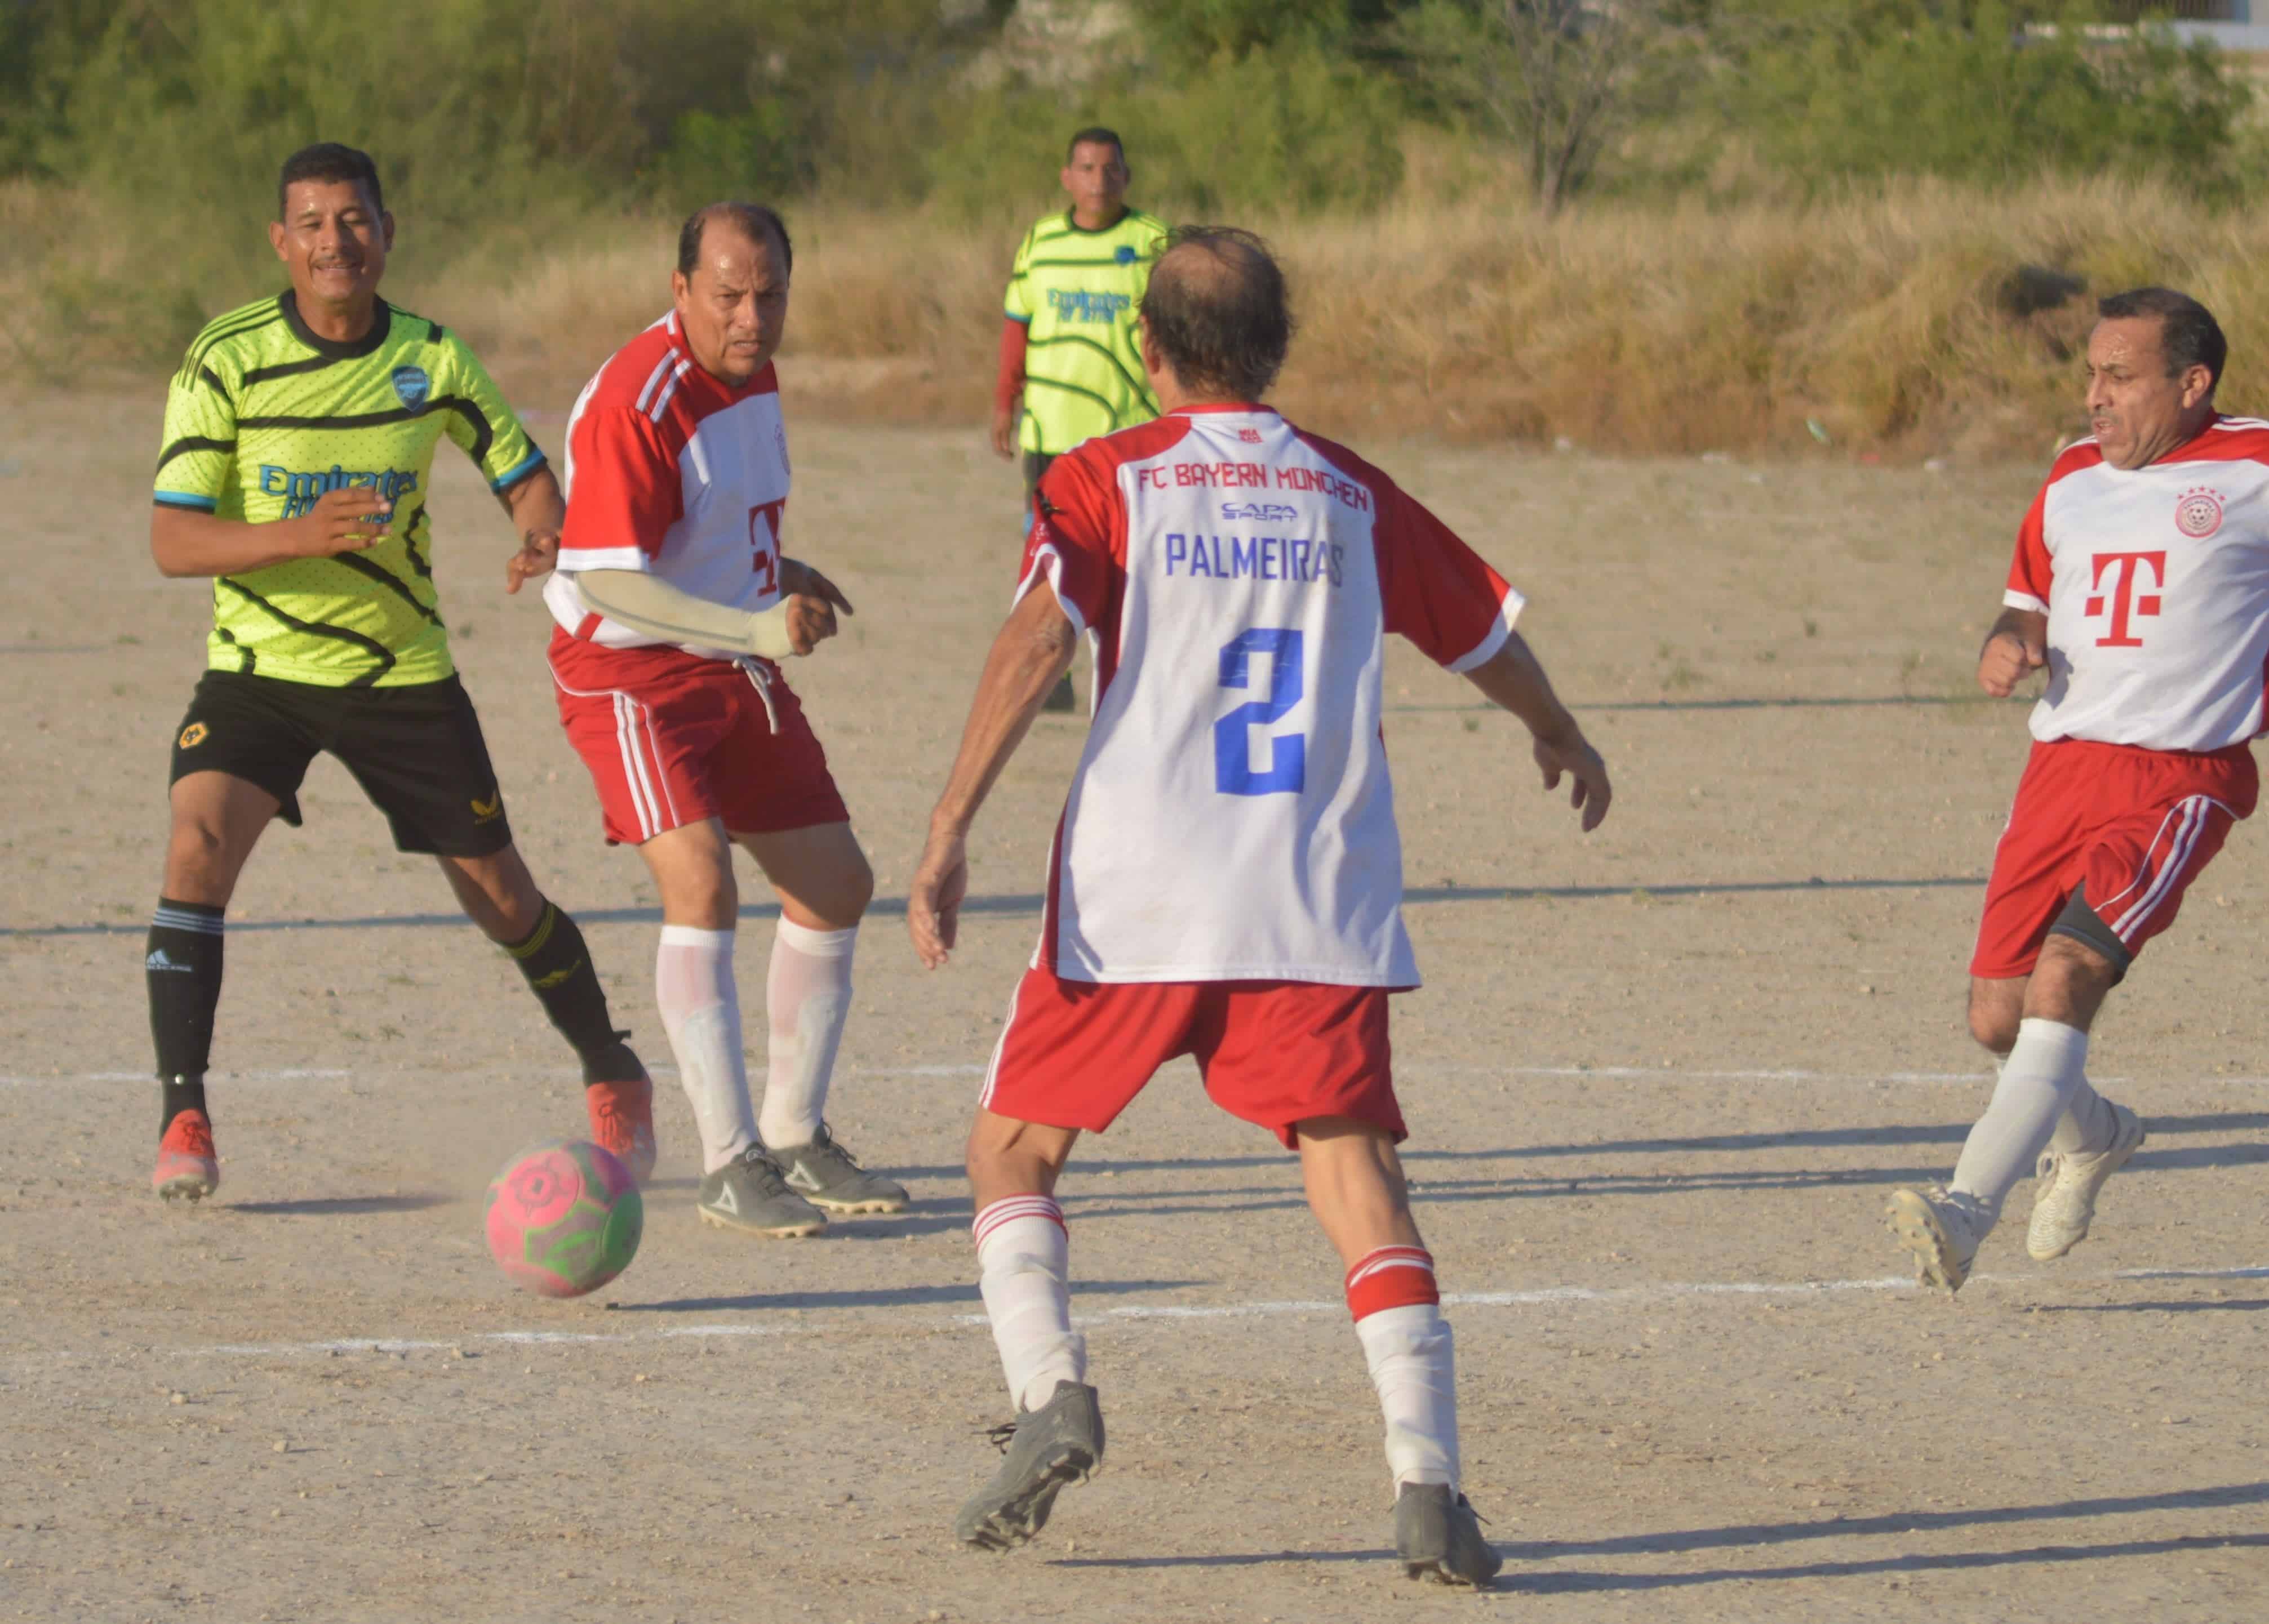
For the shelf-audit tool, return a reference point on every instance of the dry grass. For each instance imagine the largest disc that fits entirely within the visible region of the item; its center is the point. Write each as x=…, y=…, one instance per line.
x=1885, y=319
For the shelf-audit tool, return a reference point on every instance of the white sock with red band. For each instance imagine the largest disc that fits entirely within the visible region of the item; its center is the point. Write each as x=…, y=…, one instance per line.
x=700, y=1010
x=1413, y=1359
x=807, y=999
x=1025, y=1256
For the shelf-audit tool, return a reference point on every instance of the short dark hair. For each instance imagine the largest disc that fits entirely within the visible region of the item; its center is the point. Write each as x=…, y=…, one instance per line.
x=328, y=160
x=1095, y=135
x=753, y=221
x=1217, y=308
x=2188, y=332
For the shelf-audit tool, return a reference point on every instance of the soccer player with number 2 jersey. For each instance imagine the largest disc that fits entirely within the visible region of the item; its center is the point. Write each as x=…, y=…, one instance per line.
x=298, y=453
x=1226, y=880
x=2141, y=585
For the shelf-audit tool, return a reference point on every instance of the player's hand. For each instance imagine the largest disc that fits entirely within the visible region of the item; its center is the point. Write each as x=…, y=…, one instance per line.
x=810, y=622
x=537, y=554
x=2009, y=657
x=934, y=900
x=1575, y=757
x=347, y=520
x=799, y=579
x=1004, y=432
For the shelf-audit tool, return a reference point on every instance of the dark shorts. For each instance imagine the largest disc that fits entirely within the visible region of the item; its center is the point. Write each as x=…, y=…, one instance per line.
x=1036, y=467
x=417, y=751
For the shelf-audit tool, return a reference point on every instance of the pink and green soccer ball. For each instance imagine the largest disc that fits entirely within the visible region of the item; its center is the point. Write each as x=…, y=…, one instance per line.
x=564, y=1218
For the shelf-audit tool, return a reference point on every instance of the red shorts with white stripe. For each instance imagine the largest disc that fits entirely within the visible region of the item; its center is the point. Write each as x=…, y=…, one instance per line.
x=2128, y=829
x=671, y=739
x=1074, y=1053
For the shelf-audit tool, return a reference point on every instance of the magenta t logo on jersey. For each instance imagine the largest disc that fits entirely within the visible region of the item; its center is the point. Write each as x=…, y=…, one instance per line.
x=2121, y=572
x=2198, y=513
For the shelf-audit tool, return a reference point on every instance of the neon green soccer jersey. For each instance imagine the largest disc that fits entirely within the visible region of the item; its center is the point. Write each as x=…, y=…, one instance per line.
x=1077, y=292
x=265, y=417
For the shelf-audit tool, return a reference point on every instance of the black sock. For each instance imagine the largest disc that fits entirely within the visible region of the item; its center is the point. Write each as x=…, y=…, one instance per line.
x=183, y=971
x=557, y=966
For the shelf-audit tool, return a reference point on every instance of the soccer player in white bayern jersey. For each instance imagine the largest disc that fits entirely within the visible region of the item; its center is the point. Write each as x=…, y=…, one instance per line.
x=2141, y=584
x=674, y=602
x=1226, y=880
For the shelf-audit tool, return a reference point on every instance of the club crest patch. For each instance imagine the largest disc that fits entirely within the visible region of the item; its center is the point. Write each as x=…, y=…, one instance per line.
x=2198, y=513
x=411, y=386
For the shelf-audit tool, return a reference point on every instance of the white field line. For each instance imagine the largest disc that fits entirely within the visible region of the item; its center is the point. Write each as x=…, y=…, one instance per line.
x=1155, y=1314
x=1666, y=1074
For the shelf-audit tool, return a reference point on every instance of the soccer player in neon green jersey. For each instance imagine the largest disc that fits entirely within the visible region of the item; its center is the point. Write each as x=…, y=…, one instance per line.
x=1070, y=367
x=298, y=449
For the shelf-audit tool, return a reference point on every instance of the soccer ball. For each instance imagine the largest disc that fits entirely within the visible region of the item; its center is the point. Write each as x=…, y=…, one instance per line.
x=564, y=1218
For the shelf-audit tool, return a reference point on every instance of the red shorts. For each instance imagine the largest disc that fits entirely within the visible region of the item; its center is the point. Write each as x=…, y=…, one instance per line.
x=2129, y=829
x=1074, y=1053
x=672, y=740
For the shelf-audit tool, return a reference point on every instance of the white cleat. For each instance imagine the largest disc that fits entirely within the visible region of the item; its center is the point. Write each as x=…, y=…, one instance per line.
x=2064, y=1203
x=1941, y=1235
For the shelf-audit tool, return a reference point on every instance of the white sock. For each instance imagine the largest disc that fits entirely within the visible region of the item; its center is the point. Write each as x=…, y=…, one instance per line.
x=701, y=1011
x=807, y=998
x=1026, y=1260
x=2087, y=1125
x=2043, y=1074
x=1413, y=1361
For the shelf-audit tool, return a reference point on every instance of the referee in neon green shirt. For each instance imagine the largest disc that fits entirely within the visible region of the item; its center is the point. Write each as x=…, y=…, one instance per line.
x=1070, y=367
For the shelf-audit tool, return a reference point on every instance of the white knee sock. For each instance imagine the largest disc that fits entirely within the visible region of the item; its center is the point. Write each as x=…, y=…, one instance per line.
x=2043, y=1074
x=807, y=998
x=701, y=1012
x=2087, y=1126
x=1026, y=1260
x=1413, y=1361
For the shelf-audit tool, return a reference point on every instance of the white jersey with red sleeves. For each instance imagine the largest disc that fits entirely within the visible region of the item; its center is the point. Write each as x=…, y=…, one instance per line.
x=1231, y=818
x=2155, y=581
x=671, y=472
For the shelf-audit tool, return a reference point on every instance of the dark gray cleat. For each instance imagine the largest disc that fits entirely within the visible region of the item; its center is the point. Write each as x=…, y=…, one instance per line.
x=1060, y=1442
x=826, y=1174
x=1438, y=1537
x=749, y=1194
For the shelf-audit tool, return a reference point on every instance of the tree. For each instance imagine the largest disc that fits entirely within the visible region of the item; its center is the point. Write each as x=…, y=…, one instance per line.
x=1559, y=79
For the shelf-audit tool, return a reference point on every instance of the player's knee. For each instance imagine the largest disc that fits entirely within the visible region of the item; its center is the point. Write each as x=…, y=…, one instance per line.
x=200, y=866
x=1994, y=1023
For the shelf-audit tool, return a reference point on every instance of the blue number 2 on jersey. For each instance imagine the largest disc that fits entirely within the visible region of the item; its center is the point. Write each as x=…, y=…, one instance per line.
x=1287, y=772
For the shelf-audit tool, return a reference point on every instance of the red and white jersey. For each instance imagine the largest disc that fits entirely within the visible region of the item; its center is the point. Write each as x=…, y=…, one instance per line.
x=1231, y=817
x=673, y=473
x=2156, y=584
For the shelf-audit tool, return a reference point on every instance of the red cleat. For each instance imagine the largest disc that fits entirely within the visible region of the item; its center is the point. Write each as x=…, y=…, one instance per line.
x=189, y=1170
x=622, y=1121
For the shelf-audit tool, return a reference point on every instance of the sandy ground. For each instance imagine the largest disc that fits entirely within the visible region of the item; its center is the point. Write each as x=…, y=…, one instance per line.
x=1659, y=1080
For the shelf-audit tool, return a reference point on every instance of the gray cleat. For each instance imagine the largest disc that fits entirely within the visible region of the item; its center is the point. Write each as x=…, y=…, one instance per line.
x=826, y=1174
x=749, y=1194
x=1438, y=1537
x=1060, y=1442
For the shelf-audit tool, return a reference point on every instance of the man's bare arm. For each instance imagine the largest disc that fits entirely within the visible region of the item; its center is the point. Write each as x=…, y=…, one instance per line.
x=186, y=541
x=1513, y=680
x=539, y=512
x=2017, y=646
x=1033, y=650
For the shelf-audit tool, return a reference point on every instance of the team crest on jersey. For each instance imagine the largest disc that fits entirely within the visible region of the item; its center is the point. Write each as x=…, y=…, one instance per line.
x=411, y=386
x=2198, y=513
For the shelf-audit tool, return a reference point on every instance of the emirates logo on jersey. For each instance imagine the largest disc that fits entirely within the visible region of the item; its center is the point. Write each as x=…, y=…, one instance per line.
x=2198, y=513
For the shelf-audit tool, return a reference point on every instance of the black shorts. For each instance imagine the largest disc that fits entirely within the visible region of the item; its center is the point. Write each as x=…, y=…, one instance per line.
x=1036, y=467
x=417, y=751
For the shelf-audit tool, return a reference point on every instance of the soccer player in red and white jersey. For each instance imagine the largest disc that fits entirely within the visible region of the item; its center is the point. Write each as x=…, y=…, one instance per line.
x=674, y=603
x=1226, y=882
x=2141, y=585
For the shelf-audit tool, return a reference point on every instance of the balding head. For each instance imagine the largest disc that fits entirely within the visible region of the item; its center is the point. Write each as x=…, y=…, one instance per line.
x=730, y=288
x=754, y=223
x=1217, y=311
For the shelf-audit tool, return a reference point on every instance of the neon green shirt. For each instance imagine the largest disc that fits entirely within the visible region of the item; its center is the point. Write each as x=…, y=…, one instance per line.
x=1077, y=292
x=264, y=417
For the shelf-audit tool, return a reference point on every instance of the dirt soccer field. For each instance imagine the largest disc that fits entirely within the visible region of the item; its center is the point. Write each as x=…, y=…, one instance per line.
x=1658, y=1081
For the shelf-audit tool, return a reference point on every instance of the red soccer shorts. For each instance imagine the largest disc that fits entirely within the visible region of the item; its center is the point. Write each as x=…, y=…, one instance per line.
x=1074, y=1053
x=672, y=740
x=2129, y=828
